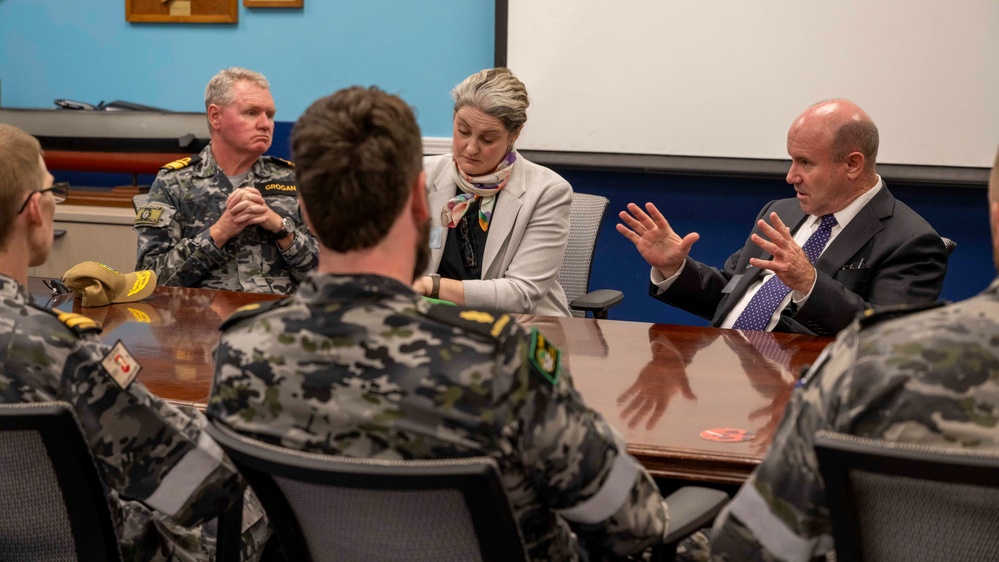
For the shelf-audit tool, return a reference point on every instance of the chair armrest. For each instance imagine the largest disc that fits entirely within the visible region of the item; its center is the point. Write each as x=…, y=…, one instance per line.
x=597, y=301
x=690, y=508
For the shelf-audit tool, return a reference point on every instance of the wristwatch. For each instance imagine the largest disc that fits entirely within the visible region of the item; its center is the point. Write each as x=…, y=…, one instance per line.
x=435, y=287
x=287, y=227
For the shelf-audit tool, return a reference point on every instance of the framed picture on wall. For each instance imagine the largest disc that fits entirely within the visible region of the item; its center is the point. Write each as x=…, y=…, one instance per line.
x=273, y=3
x=182, y=11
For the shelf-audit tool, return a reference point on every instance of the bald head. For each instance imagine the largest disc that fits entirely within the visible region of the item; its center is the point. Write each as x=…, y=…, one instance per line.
x=849, y=129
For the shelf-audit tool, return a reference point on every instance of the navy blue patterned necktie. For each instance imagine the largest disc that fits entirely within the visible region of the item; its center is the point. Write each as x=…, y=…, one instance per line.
x=761, y=308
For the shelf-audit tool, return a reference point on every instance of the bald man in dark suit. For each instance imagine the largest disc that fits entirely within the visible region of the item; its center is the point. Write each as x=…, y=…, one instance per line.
x=844, y=244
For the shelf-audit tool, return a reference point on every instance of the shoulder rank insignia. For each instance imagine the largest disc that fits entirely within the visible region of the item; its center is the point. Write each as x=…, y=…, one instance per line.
x=872, y=316
x=182, y=163
x=77, y=322
x=491, y=324
x=282, y=161
x=251, y=310
x=120, y=365
x=544, y=357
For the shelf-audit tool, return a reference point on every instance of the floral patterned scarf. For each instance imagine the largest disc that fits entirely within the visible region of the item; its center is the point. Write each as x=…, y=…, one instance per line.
x=484, y=187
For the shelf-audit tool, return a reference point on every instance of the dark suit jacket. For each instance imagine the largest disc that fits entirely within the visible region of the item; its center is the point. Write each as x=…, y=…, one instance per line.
x=887, y=255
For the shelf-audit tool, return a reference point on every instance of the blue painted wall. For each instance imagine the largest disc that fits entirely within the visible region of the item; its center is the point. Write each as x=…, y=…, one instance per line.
x=418, y=49
x=86, y=51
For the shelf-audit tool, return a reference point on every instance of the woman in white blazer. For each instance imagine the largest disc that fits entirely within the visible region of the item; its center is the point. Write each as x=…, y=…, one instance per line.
x=499, y=223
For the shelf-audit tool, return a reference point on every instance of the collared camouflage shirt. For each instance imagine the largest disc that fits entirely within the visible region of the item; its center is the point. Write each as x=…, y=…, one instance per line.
x=165, y=478
x=928, y=378
x=188, y=197
x=363, y=367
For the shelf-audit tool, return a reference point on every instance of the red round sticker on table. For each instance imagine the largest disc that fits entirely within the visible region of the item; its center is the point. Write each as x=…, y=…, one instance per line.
x=727, y=435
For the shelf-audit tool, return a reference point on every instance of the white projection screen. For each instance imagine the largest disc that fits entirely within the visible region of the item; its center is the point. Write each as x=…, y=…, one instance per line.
x=725, y=78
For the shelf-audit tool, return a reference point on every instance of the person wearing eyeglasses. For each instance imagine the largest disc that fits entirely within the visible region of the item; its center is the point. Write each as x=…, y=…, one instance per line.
x=165, y=479
x=500, y=222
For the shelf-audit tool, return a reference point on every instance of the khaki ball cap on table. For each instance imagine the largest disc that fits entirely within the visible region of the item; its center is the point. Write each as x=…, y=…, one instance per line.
x=100, y=285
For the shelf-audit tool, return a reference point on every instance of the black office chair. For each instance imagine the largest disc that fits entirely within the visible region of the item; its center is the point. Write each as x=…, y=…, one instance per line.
x=326, y=507
x=52, y=501
x=892, y=501
x=585, y=216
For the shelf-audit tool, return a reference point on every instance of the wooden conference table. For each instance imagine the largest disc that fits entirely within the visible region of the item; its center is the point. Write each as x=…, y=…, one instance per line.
x=693, y=403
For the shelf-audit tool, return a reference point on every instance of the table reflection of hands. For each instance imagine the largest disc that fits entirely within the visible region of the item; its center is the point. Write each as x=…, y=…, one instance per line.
x=771, y=415
x=657, y=383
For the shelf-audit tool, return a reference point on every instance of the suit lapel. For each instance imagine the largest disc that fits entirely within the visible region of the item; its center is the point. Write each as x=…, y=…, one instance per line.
x=855, y=235
x=508, y=204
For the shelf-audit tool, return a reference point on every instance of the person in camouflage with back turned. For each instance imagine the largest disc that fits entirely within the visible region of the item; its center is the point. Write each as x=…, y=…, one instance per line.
x=358, y=364
x=228, y=217
x=929, y=378
x=165, y=479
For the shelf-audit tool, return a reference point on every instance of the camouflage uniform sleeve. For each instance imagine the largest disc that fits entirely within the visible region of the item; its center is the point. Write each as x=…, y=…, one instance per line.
x=780, y=513
x=163, y=248
x=147, y=450
x=583, y=469
x=302, y=256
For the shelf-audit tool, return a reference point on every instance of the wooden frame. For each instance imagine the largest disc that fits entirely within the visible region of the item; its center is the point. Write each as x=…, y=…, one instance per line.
x=182, y=11
x=273, y=3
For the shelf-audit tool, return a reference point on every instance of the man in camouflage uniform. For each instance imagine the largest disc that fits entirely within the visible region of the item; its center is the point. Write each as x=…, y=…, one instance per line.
x=926, y=378
x=228, y=217
x=165, y=479
x=358, y=364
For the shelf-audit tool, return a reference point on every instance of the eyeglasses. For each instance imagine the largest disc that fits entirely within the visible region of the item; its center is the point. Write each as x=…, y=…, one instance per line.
x=56, y=286
x=60, y=191
x=467, y=247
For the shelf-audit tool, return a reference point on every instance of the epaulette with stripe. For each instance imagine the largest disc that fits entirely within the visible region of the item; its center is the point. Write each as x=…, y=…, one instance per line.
x=281, y=161
x=251, y=310
x=543, y=357
x=495, y=325
x=871, y=316
x=77, y=323
x=182, y=163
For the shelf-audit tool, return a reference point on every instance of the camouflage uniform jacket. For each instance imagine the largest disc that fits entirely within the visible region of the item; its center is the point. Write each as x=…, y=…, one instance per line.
x=145, y=450
x=927, y=378
x=188, y=196
x=361, y=366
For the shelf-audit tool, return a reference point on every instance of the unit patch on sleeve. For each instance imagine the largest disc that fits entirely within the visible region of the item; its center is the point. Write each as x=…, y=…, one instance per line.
x=545, y=358
x=120, y=365
x=148, y=215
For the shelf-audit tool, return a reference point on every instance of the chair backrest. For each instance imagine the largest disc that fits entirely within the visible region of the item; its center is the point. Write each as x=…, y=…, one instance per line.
x=585, y=216
x=893, y=501
x=326, y=507
x=52, y=501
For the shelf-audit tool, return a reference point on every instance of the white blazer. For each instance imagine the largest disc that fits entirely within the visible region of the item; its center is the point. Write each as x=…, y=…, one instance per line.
x=526, y=243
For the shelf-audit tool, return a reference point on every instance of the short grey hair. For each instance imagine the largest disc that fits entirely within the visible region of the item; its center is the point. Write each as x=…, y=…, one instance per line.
x=219, y=89
x=856, y=136
x=497, y=93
